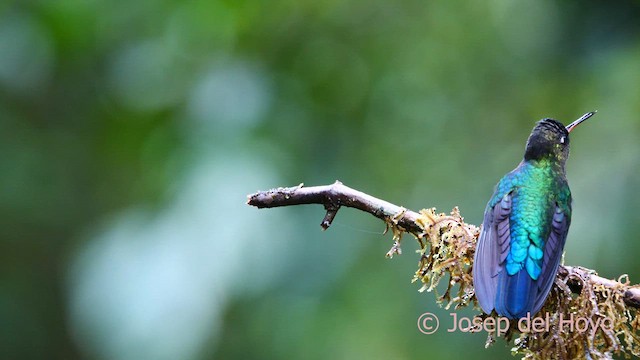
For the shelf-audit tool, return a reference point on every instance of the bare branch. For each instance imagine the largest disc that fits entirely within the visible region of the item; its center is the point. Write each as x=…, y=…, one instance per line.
x=333, y=197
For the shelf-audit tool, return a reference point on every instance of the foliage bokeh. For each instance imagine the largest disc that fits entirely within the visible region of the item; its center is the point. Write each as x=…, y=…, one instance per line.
x=132, y=131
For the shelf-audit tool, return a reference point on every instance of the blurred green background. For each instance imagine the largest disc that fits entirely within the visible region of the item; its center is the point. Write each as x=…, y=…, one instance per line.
x=132, y=131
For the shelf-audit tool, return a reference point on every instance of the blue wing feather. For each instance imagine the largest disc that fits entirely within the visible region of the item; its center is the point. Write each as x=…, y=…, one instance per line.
x=552, y=255
x=491, y=252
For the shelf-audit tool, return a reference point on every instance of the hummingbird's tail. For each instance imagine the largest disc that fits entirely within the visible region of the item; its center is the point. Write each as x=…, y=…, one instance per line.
x=516, y=295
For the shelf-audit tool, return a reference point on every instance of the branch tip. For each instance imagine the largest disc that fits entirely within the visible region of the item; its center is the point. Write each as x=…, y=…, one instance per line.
x=328, y=217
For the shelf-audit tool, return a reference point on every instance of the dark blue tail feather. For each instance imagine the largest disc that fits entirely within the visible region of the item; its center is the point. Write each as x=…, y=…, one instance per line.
x=514, y=296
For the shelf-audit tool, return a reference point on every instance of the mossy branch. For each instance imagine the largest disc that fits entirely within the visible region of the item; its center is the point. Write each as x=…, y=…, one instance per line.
x=447, y=245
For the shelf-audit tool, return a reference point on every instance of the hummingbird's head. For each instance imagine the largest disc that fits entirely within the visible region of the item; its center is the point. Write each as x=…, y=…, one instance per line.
x=549, y=139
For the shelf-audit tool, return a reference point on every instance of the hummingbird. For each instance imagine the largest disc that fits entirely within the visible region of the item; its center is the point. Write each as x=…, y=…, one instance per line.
x=525, y=226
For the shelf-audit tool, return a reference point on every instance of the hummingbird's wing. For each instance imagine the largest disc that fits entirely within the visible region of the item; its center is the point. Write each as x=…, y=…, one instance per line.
x=518, y=290
x=491, y=252
x=552, y=255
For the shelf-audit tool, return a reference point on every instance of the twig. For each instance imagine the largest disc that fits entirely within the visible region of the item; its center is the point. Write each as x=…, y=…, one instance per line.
x=333, y=197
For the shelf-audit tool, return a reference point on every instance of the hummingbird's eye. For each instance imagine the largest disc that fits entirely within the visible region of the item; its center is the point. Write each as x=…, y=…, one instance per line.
x=562, y=140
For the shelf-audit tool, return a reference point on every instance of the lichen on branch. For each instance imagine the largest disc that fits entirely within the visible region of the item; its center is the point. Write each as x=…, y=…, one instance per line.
x=446, y=249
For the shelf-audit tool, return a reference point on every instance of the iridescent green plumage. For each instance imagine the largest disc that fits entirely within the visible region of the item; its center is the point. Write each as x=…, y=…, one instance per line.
x=539, y=186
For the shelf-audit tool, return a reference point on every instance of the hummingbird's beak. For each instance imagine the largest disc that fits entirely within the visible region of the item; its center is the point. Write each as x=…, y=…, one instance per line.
x=582, y=118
